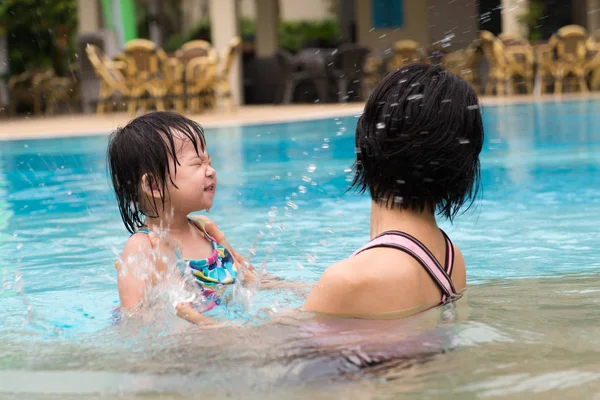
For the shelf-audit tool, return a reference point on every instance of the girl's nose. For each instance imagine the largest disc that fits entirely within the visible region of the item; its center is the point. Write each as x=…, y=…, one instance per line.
x=210, y=171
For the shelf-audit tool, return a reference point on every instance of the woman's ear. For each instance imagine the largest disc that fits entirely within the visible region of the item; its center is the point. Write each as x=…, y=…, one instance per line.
x=150, y=186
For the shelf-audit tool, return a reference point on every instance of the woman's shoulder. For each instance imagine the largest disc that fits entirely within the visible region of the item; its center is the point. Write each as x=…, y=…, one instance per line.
x=354, y=287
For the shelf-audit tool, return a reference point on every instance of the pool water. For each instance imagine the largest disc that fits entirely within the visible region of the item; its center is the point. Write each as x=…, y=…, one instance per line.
x=527, y=327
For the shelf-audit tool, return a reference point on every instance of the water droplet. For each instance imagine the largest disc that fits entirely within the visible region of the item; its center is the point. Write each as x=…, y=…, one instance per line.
x=347, y=170
x=473, y=107
x=302, y=189
x=69, y=193
x=19, y=246
x=311, y=168
x=400, y=182
x=446, y=101
x=398, y=199
x=325, y=146
x=402, y=81
x=464, y=141
x=380, y=125
x=415, y=97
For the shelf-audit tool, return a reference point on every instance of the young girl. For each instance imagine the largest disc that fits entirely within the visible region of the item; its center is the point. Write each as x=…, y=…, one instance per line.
x=161, y=173
x=417, y=152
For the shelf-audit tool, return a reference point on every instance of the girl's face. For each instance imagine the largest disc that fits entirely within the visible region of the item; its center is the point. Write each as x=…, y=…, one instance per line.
x=195, y=180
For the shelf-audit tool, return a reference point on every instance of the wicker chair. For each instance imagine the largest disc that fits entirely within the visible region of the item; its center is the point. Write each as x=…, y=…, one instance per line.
x=228, y=57
x=112, y=81
x=571, y=51
x=405, y=52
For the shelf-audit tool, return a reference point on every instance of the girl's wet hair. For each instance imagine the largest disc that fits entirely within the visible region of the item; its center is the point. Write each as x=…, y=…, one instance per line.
x=146, y=145
x=418, y=141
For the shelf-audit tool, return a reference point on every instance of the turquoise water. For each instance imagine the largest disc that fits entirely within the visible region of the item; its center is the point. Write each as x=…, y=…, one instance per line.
x=282, y=191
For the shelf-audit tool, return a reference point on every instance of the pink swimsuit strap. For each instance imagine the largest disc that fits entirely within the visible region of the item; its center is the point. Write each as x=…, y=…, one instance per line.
x=410, y=245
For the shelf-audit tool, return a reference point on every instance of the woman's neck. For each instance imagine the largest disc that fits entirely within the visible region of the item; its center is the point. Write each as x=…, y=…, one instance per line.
x=385, y=219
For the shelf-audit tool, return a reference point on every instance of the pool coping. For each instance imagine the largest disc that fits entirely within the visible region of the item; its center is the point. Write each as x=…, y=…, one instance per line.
x=30, y=128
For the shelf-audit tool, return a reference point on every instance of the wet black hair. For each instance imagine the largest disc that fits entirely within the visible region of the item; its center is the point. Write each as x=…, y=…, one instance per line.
x=418, y=141
x=146, y=145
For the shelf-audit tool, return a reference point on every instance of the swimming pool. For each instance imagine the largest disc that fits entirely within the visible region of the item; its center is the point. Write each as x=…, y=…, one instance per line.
x=528, y=326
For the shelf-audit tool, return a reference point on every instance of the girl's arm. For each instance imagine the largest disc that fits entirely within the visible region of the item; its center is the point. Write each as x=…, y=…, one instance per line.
x=144, y=259
x=213, y=230
x=131, y=271
x=267, y=282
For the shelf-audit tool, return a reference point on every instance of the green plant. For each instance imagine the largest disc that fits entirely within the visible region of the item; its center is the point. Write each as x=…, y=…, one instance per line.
x=40, y=33
x=200, y=31
x=292, y=34
x=531, y=19
x=247, y=28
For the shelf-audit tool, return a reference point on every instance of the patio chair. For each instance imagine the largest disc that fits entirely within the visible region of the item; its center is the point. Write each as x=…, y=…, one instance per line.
x=28, y=87
x=348, y=65
x=520, y=64
x=190, y=51
x=228, y=58
x=493, y=50
x=372, y=73
x=112, y=81
x=592, y=66
x=571, y=51
x=461, y=63
x=146, y=68
x=296, y=71
x=63, y=90
x=405, y=52
x=200, y=75
x=194, y=48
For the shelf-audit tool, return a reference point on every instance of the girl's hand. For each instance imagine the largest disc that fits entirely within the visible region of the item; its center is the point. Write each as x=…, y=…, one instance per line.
x=185, y=311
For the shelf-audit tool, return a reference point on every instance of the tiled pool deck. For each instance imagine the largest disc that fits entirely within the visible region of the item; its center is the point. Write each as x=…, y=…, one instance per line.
x=90, y=124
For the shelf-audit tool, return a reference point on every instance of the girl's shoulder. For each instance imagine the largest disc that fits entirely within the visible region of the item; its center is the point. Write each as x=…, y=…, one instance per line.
x=138, y=242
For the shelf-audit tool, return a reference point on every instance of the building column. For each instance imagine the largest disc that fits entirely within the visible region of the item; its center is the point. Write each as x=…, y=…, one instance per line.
x=88, y=17
x=193, y=12
x=593, y=16
x=224, y=17
x=346, y=19
x=4, y=60
x=89, y=23
x=267, y=27
x=511, y=11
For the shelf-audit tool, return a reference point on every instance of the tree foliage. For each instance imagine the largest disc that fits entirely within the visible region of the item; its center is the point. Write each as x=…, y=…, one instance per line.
x=40, y=33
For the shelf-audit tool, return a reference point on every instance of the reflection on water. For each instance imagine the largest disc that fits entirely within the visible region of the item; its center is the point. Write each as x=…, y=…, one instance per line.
x=514, y=339
x=510, y=337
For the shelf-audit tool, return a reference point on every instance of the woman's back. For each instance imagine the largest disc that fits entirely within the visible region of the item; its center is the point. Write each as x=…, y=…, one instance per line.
x=393, y=276
x=417, y=154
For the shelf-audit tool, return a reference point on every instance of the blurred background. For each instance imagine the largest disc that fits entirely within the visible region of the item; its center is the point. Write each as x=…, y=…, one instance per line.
x=74, y=56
